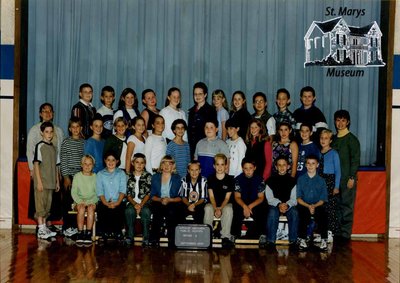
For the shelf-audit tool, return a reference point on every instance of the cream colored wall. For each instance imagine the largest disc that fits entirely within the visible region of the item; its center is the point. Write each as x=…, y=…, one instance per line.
x=6, y=120
x=394, y=216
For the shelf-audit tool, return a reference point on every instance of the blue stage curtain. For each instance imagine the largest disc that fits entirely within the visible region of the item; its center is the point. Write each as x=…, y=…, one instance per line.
x=248, y=45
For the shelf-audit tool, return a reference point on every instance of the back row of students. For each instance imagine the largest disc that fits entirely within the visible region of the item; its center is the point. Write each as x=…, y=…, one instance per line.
x=128, y=109
x=257, y=136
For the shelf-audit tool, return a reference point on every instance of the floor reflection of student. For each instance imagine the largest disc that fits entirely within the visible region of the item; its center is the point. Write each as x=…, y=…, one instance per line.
x=85, y=266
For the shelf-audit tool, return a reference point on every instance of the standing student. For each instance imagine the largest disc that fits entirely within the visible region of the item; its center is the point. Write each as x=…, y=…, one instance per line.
x=260, y=107
x=171, y=112
x=239, y=112
x=237, y=147
x=283, y=114
x=311, y=198
x=250, y=202
x=280, y=193
x=155, y=146
x=83, y=193
x=198, y=115
x=220, y=188
x=259, y=148
x=111, y=190
x=306, y=147
x=178, y=148
x=221, y=106
x=117, y=142
x=127, y=108
x=84, y=110
x=208, y=147
x=71, y=157
x=46, y=114
x=329, y=169
x=45, y=178
x=166, y=201
x=106, y=112
x=150, y=112
x=193, y=192
x=136, y=141
x=94, y=145
x=308, y=112
x=138, y=196
x=286, y=147
x=348, y=147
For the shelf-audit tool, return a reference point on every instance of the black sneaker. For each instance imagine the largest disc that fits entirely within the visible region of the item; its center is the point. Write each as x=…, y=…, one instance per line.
x=87, y=239
x=227, y=243
x=54, y=229
x=80, y=238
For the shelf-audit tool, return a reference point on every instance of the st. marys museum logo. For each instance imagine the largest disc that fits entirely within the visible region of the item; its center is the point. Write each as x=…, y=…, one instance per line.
x=334, y=43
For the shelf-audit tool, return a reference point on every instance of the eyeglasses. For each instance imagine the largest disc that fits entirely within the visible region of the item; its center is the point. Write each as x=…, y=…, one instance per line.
x=259, y=101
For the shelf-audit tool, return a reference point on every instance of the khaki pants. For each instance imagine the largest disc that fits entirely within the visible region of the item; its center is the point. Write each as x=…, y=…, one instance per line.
x=226, y=218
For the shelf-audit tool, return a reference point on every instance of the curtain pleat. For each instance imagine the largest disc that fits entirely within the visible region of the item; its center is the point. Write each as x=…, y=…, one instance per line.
x=248, y=45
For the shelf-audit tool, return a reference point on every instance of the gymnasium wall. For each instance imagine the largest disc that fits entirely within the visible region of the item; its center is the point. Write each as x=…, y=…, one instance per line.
x=394, y=218
x=6, y=111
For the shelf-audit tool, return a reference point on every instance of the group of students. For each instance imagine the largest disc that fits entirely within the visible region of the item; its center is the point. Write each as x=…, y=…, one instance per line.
x=228, y=165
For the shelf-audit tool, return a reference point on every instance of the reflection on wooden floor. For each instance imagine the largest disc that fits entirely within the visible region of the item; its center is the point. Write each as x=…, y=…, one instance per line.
x=23, y=258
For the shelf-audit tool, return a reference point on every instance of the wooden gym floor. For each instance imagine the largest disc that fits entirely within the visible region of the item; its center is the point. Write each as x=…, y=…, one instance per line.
x=25, y=259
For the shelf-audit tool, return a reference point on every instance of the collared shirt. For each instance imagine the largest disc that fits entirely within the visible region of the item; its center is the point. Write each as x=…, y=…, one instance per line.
x=194, y=192
x=111, y=184
x=312, y=190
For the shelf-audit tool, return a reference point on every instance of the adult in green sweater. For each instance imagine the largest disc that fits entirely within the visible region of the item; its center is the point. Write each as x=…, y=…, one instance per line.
x=348, y=147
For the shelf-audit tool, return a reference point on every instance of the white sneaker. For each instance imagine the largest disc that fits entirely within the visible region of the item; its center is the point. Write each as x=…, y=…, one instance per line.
x=43, y=244
x=53, y=234
x=43, y=234
x=70, y=232
x=324, y=245
x=317, y=238
x=303, y=245
x=330, y=236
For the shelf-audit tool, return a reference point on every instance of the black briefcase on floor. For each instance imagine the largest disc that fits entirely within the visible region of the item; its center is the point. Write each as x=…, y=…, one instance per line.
x=193, y=236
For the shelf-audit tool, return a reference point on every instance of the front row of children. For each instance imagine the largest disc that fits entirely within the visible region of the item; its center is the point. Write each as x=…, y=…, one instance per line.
x=118, y=199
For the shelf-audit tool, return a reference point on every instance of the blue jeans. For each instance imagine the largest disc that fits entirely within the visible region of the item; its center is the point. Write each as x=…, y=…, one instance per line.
x=273, y=223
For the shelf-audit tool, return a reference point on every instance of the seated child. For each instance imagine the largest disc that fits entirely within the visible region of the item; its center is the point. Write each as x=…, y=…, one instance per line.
x=166, y=201
x=281, y=196
x=311, y=197
x=111, y=190
x=250, y=202
x=194, y=192
x=83, y=193
x=138, y=194
x=220, y=188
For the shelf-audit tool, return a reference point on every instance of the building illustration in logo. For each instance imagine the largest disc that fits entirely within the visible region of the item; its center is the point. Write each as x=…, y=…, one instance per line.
x=335, y=43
